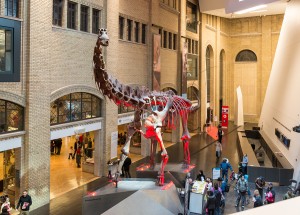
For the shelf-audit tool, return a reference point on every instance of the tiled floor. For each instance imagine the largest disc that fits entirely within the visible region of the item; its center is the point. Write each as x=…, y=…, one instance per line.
x=202, y=155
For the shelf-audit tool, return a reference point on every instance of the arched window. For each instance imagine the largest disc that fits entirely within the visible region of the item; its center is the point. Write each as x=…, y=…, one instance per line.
x=192, y=93
x=74, y=107
x=222, y=55
x=208, y=73
x=169, y=89
x=246, y=55
x=11, y=117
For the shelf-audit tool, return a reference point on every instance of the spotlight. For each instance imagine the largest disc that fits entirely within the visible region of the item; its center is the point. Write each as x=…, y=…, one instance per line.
x=297, y=129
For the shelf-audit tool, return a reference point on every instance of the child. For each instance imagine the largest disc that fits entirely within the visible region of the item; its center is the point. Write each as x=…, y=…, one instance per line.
x=71, y=151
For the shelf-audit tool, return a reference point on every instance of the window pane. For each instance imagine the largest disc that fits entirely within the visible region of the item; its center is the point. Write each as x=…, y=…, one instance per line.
x=84, y=18
x=53, y=113
x=64, y=109
x=96, y=18
x=129, y=29
x=14, y=117
x=57, y=12
x=191, y=67
x=144, y=33
x=137, y=30
x=86, y=106
x=2, y=117
x=165, y=39
x=121, y=27
x=96, y=107
x=72, y=13
x=6, y=56
x=191, y=14
x=170, y=40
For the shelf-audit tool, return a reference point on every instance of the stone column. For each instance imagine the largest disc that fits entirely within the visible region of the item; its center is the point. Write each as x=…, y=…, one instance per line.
x=111, y=18
x=35, y=153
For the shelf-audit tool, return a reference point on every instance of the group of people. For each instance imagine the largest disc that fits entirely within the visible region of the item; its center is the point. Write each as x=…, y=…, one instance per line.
x=122, y=138
x=23, y=205
x=82, y=148
x=55, y=146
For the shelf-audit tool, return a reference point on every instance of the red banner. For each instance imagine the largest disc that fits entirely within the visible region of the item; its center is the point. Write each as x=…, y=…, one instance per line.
x=225, y=112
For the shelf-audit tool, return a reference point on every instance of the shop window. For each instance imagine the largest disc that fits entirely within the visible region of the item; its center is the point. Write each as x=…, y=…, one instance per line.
x=10, y=39
x=57, y=12
x=144, y=29
x=121, y=27
x=74, y=107
x=11, y=117
x=191, y=17
x=96, y=21
x=246, y=55
x=137, y=31
x=12, y=8
x=8, y=174
x=72, y=13
x=192, y=62
x=84, y=18
x=129, y=29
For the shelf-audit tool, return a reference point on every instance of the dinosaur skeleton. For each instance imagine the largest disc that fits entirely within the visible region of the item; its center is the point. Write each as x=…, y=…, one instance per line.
x=162, y=106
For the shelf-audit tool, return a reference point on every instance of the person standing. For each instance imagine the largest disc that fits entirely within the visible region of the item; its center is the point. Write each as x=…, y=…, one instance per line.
x=78, y=157
x=24, y=203
x=200, y=176
x=75, y=149
x=126, y=166
x=259, y=185
x=71, y=150
x=224, y=166
x=270, y=194
x=244, y=164
x=220, y=133
x=242, y=187
x=6, y=205
x=257, y=199
x=218, y=149
x=211, y=203
x=218, y=195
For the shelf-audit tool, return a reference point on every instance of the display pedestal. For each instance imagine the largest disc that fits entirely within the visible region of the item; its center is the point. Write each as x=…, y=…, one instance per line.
x=196, y=203
x=133, y=196
x=175, y=171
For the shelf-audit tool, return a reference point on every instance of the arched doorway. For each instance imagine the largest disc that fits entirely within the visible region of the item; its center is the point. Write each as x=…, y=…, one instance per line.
x=245, y=76
x=209, y=63
x=221, y=82
x=75, y=123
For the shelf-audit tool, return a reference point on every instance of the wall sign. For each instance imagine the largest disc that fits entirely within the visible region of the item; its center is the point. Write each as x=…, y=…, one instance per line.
x=282, y=138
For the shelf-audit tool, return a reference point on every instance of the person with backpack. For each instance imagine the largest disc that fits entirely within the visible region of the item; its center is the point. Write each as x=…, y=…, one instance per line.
x=224, y=166
x=270, y=194
x=242, y=187
x=257, y=199
x=211, y=203
x=218, y=195
x=220, y=133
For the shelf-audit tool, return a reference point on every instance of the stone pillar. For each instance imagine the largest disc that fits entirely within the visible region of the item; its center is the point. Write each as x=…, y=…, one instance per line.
x=98, y=168
x=111, y=57
x=35, y=153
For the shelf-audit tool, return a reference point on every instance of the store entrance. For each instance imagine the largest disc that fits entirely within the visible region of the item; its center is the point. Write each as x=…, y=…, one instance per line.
x=65, y=173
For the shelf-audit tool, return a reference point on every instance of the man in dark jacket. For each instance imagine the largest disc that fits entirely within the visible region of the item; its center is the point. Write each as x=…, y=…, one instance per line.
x=126, y=166
x=211, y=203
x=25, y=203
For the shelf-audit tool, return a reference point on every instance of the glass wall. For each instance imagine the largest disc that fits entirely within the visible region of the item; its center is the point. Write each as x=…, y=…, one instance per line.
x=74, y=107
x=11, y=117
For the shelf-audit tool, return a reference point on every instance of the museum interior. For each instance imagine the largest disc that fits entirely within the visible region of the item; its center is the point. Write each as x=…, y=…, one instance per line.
x=116, y=106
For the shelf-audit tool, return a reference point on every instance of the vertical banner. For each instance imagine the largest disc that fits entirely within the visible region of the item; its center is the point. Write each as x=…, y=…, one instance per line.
x=184, y=70
x=156, y=62
x=114, y=145
x=225, y=112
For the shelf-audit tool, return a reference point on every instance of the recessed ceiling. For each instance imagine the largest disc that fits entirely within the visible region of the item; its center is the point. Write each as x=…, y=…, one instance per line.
x=277, y=7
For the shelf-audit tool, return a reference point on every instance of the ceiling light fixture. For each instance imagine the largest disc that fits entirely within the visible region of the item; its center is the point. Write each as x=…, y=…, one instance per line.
x=251, y=9
x=259, y=11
